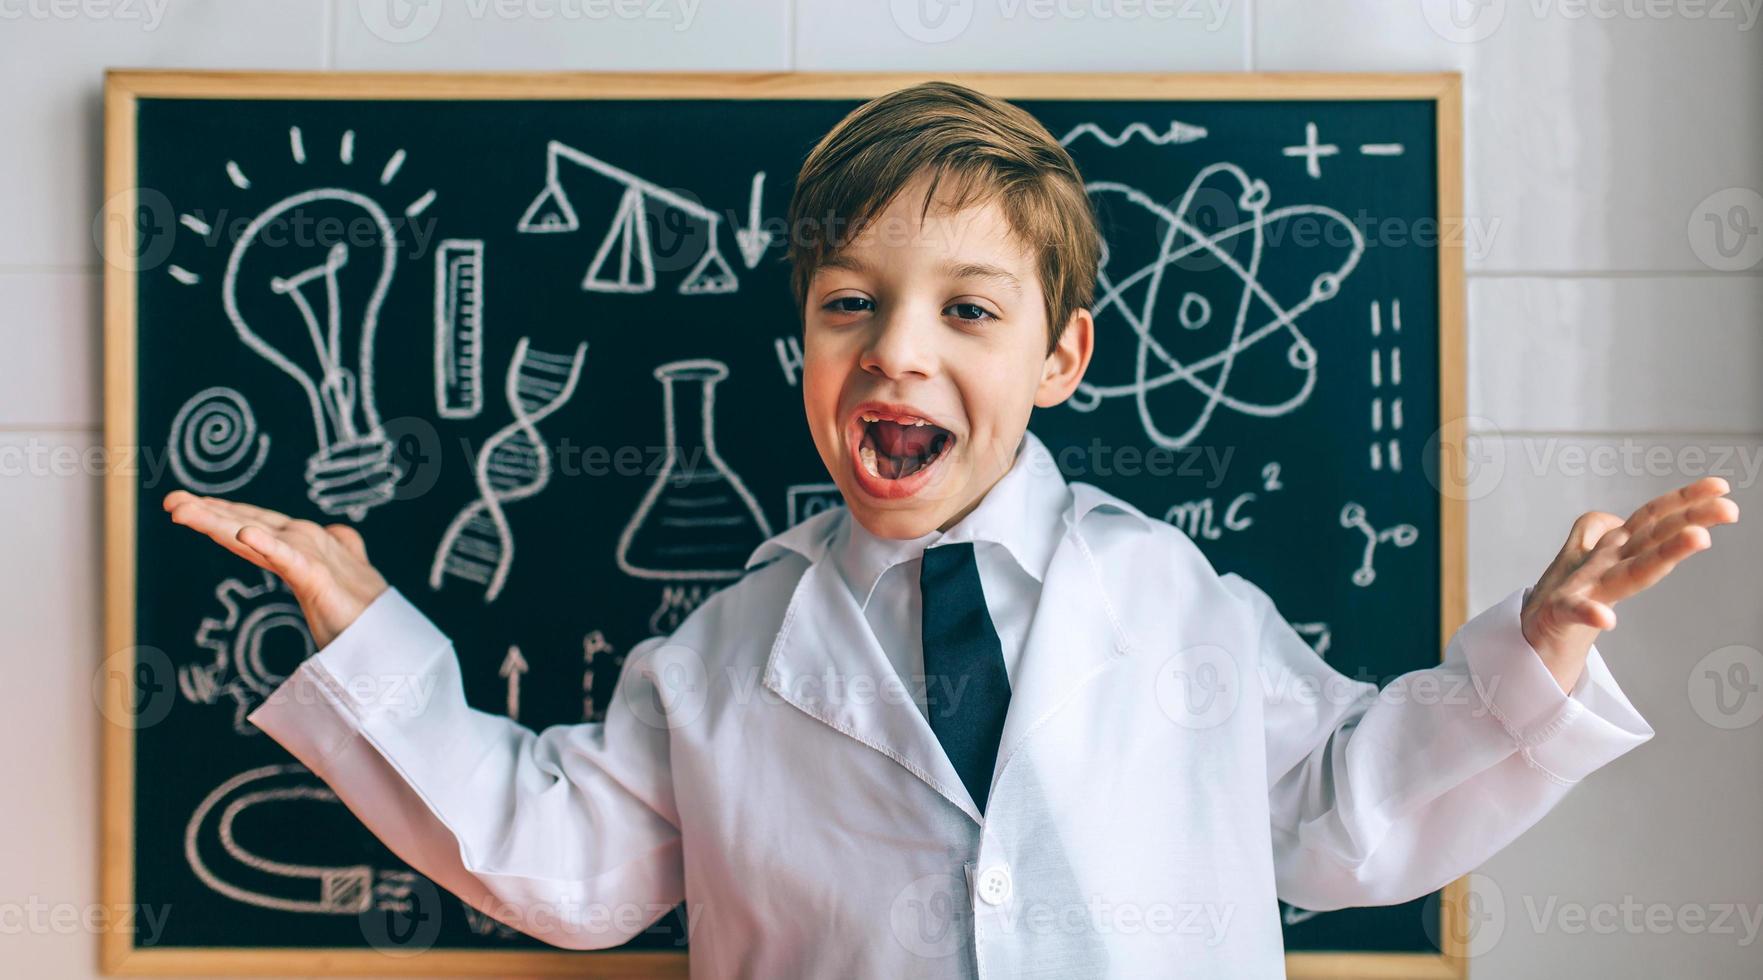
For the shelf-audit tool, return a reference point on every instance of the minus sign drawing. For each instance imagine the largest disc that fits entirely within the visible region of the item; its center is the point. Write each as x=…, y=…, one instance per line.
x=1381, y=149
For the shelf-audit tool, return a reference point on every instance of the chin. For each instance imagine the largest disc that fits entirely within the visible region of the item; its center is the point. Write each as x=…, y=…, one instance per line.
x=884, y=523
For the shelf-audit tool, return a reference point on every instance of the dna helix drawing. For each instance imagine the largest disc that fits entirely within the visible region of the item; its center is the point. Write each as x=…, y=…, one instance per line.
x=478, y=545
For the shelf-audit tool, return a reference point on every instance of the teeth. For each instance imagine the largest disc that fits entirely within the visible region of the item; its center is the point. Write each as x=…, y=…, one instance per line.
x=871, y=417
x=867, y=456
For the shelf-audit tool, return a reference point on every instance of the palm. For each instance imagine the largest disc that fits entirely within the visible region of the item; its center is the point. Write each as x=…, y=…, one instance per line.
x=1607, y=559
x=325, y=566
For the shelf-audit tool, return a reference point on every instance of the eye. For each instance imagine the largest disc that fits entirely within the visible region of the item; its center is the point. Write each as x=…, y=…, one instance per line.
x=971, y=311
x=848, y=304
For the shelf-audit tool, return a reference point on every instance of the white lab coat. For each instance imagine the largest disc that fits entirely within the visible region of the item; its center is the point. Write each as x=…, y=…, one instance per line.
x=1175, y=756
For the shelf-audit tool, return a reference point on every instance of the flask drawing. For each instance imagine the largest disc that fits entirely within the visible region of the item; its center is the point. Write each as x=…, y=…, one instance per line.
x=697, y=522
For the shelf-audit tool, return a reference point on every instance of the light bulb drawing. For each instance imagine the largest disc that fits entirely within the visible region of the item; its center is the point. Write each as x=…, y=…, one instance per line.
x=309, y=303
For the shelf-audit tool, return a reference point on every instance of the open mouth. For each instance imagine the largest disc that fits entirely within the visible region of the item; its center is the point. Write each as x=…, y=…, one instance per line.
x=896, y=447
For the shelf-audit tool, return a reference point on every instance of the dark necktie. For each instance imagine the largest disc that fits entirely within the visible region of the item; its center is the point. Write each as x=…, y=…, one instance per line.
x=966, y=688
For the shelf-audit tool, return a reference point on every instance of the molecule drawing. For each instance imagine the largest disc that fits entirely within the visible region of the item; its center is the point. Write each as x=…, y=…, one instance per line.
x=1217, y=283
x=1401, y=535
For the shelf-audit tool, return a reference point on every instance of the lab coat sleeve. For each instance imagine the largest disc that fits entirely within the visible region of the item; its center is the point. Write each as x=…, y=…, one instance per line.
x=1380, y=797
x=568, y=834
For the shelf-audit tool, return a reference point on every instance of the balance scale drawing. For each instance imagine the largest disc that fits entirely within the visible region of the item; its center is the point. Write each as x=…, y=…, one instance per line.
x=514, y=464
x=634, y=267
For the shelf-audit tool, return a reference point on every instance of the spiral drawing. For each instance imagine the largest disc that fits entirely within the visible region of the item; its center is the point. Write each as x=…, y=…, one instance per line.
x=212, y=441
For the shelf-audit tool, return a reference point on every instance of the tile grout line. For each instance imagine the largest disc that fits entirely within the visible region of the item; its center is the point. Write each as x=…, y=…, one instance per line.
x=327, y=44
x=790, y=31
x=1249, y=35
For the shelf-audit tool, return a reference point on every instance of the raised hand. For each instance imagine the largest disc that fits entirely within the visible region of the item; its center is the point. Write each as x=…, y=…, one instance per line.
x=1606, y=560
x=325, y=566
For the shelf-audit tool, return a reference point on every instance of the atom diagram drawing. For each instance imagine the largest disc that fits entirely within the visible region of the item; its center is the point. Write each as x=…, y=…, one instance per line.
x=1191, y=283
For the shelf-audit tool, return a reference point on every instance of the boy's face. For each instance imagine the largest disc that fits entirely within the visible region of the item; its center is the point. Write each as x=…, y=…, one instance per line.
x=940, y=321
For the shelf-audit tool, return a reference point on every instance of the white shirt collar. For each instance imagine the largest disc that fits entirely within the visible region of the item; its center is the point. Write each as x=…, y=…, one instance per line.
x=1023, y=512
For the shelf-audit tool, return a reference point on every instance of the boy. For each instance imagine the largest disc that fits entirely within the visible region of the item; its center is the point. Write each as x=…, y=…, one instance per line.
x=980, y=721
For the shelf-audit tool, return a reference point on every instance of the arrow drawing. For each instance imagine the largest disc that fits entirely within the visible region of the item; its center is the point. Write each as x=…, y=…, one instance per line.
x=512, y=667
x=754, y=239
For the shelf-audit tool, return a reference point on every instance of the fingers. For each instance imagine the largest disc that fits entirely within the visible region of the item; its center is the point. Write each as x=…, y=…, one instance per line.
x=1705, y=512
x=269, y=539
x=1587, y=611
x=349, y=538
x=1667, y=503
x=1588, y=530
x=1631, y=575
x=199, y=515
x=284, y=559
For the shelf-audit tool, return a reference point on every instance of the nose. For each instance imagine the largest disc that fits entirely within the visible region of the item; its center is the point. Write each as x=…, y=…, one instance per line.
x=901, y=343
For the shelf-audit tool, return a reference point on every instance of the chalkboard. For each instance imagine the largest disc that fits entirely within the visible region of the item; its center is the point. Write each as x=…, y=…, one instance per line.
x=549, y=292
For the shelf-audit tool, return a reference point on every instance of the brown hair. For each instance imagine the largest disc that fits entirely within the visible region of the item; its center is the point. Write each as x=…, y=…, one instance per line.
x=988, y=147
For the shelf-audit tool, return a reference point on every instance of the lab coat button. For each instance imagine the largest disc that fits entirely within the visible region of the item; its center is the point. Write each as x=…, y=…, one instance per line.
x=994, y=885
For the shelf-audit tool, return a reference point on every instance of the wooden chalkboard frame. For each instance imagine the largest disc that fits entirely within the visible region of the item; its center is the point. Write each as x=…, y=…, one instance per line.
x=119, y=955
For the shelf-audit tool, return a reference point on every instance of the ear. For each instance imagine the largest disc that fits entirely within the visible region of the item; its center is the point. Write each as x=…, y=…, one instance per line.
x=1065, y=366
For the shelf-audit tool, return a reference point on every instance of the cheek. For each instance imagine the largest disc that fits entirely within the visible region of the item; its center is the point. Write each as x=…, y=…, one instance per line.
x=822, y=381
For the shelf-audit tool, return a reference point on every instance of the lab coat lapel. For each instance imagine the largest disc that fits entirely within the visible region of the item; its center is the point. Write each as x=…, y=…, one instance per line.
x=1076, y=633
x=824, y=649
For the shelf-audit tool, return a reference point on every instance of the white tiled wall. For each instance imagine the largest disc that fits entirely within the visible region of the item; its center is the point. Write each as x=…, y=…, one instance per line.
x=1614, y=352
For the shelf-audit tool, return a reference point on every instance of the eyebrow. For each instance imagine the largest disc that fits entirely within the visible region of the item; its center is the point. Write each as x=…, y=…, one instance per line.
x=952, y=269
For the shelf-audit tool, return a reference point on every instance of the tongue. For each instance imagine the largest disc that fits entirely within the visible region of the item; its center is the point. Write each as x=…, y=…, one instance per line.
x=904, y=440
